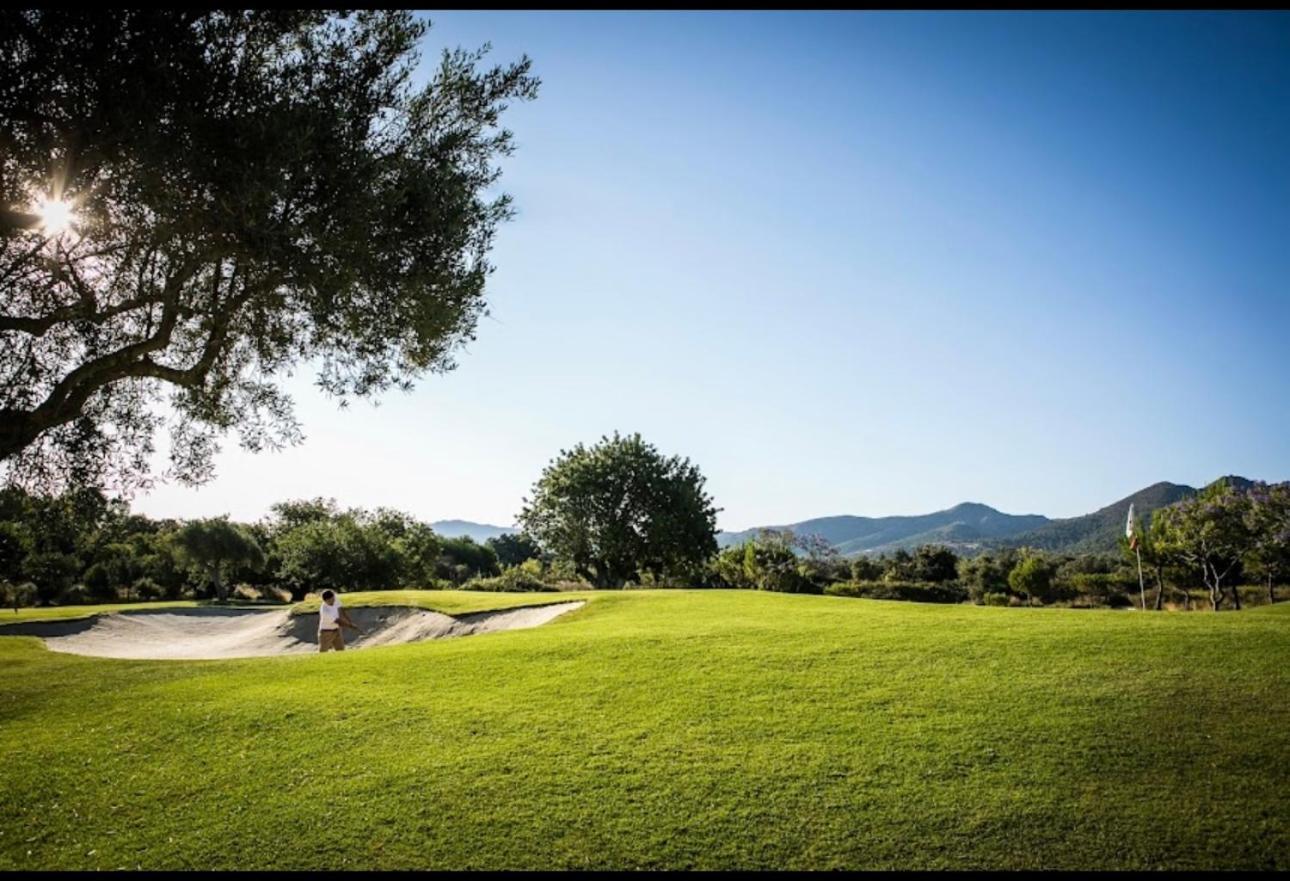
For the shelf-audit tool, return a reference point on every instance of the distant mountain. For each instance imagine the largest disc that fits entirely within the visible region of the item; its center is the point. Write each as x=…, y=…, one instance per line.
x=968, y=528
x=964, y=526
x=971, y=527
x=1101, y=530
x=480, y=532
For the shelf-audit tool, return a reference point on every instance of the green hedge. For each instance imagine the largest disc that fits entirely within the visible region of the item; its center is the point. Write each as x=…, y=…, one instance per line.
x=912, y=591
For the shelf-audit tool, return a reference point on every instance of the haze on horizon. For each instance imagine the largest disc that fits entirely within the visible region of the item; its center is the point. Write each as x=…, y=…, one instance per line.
x=861, y=263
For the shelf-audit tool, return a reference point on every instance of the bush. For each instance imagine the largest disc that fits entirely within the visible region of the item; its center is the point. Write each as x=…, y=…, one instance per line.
x=513, y=580
x=996, y=599
x=912, y=591
x=147, y=589
x=245, y=591
x=17, y=595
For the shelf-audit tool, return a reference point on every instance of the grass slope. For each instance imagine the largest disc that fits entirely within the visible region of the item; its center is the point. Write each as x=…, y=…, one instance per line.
x=649, y=729
x=50, y=613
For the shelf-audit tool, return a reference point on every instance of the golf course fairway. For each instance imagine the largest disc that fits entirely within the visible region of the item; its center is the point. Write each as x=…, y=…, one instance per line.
x=671, y=729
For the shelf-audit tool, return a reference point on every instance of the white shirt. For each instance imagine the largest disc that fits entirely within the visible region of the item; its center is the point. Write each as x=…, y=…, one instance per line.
x=328, y=616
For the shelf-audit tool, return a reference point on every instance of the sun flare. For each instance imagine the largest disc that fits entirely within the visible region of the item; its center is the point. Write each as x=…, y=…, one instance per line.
x=56, y=216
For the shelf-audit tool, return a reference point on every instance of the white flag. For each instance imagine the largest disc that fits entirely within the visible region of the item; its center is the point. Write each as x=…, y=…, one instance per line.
x=1128, y=527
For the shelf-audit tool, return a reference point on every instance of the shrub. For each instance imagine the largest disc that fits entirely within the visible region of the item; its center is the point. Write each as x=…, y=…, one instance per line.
x=996, y=599
x=17, y=595
x=912, y=591
x=1033, y=577
x=513, y=580
x=147, y=589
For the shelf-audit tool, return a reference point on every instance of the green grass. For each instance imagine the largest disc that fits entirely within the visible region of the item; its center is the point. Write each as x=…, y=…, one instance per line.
x=44, y=613
x=652, y=729
x=450, y=602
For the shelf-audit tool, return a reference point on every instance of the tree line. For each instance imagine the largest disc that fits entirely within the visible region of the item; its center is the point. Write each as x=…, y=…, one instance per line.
x=82, y=547
x=614, y=514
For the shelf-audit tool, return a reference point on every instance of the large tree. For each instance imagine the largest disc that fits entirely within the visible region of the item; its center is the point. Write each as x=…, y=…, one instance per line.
x=1267, y=518
x=344, y=552
x=228, y=194
x=1207, y=532
x=214, y=547
x=620, y=509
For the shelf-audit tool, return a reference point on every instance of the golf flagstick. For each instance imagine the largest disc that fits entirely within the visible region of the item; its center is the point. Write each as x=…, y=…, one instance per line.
x=1137, y=552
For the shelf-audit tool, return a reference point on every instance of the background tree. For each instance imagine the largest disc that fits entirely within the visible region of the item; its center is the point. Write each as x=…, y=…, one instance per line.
x=52, y=573
x=514, y=548
x=15, y=544
x=865, y=568
x=1208, y=532
x=464, y=558
x=819, y=562
x=253, y=189
x=899, y=566
x=935, y=563
x=988, y=573
x=1267, y=522
x=771, y=563
x=213, y=546
x=343, y=552
x=620, y=508
x=1033, y=577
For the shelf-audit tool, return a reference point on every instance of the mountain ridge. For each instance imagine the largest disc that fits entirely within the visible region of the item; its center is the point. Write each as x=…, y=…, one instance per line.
x=966, y=523
x=967, y=528
x=480, y=532
x=972, y=527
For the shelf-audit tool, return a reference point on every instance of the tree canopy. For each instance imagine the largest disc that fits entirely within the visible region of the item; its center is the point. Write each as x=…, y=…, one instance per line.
x=215, y=545
x=619, y=509
x=1209, y=532
x=251, y=190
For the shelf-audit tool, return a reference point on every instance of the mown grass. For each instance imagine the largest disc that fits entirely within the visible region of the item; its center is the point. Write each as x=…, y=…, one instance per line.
x=652, y=729
x=450, y=602
x=49, y=613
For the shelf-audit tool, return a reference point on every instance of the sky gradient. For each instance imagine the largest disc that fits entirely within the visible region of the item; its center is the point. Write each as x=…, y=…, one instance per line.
x=867, y=263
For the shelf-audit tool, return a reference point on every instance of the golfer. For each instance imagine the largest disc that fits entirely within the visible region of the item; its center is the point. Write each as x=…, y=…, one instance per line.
x=331, y=618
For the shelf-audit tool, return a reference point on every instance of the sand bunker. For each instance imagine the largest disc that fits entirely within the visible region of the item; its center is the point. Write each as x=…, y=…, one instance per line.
x=210, y=634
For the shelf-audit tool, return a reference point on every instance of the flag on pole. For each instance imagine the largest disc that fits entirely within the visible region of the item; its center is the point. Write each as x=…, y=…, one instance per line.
x=1128, y=530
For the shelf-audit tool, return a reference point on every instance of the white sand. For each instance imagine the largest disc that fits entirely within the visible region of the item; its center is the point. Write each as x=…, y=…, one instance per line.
x=211, y=634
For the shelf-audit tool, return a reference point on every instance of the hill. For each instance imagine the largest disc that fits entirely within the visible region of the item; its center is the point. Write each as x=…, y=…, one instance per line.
x=480, y=532
x=971, y=527
x=966, y=525
x=1100, y=531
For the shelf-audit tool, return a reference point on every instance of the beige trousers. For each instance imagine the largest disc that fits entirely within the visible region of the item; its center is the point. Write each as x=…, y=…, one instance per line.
x=330, y=640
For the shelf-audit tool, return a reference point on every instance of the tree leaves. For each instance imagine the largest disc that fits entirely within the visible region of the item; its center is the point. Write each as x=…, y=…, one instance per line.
x=255, y=189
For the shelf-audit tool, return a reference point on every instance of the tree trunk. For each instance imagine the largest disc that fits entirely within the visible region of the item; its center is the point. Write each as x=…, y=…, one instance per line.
x=1160, y=591
x=1236, y=596
x=1272, y=595
x=218, y=582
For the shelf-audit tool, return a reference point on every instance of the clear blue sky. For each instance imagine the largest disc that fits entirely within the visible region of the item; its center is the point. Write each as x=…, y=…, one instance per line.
x=870, y=263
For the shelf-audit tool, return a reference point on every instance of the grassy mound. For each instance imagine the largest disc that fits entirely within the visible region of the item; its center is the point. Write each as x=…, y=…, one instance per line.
x=706, y=729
